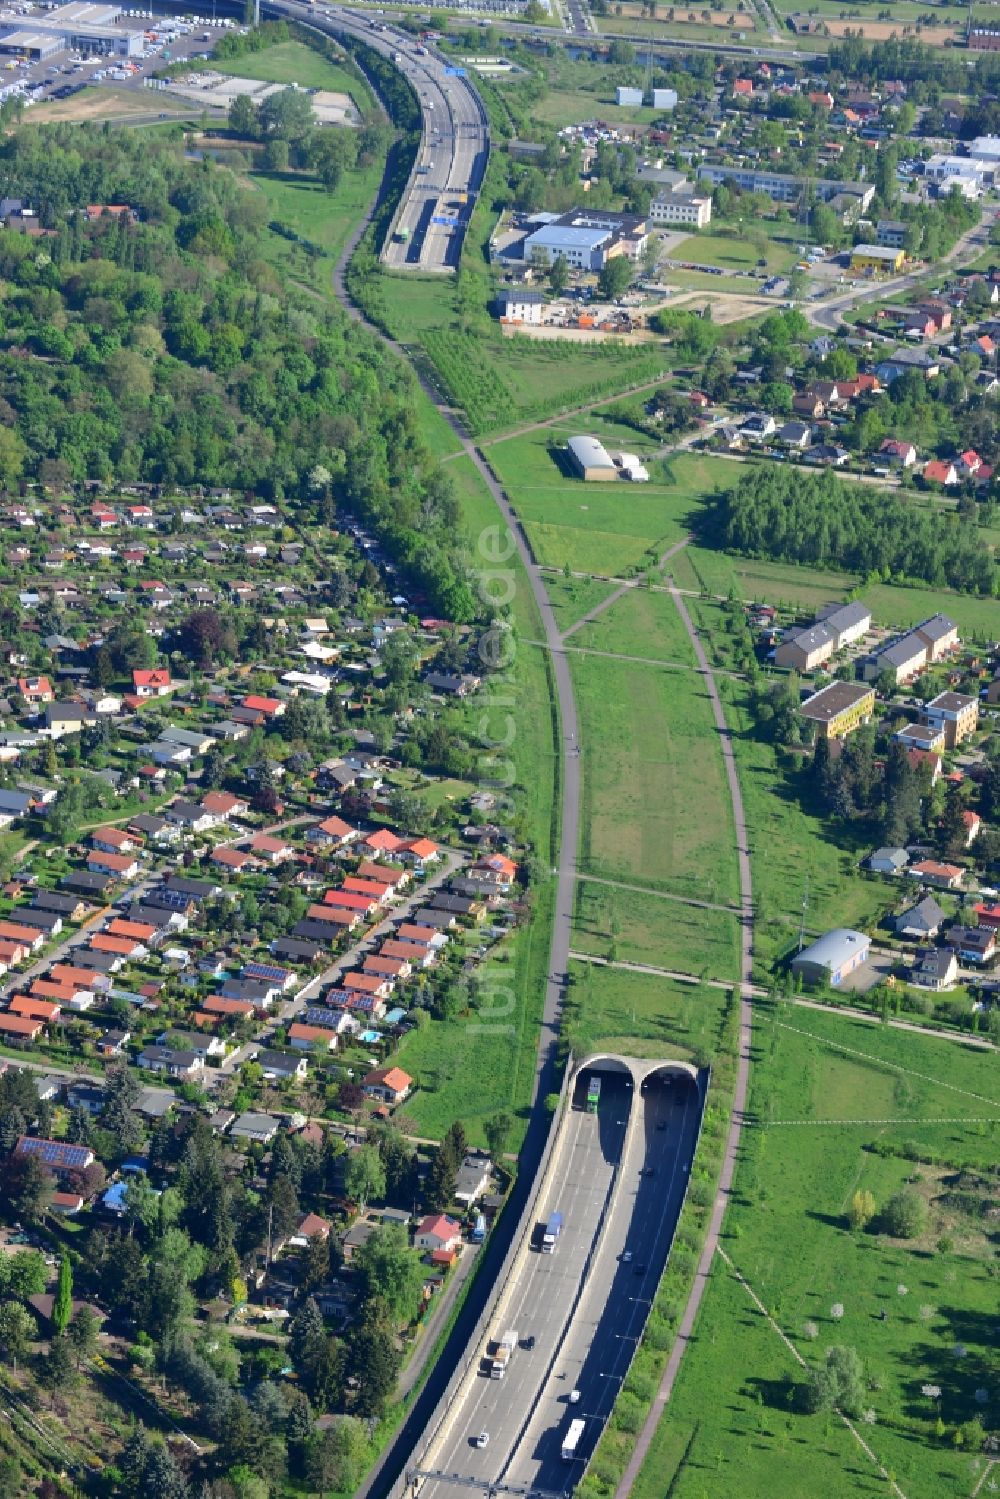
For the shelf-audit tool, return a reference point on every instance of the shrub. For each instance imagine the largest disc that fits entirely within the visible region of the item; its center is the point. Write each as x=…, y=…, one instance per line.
x=905, y=1215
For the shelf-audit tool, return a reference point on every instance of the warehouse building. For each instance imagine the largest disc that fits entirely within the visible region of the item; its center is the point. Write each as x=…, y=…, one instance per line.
x=830, y=959
x=79, y=27
x=590, y=459
x=877, y=260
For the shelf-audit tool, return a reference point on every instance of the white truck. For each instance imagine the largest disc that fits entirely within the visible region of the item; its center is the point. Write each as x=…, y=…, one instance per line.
x=502, y=1353
x=571, y=1440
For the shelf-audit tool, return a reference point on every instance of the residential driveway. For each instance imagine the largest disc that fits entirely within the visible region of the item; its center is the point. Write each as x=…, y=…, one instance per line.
x=874, y=970
x=80, y=937
x=451, y=860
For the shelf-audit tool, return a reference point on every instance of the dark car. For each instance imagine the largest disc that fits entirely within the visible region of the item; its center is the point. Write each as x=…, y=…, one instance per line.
x=528, y=1342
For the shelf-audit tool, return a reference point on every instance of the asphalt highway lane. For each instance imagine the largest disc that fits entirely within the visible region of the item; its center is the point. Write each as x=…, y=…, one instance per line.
x=454, y=139
x=543, y=1297
x=620, y=1186
x=618, y=1292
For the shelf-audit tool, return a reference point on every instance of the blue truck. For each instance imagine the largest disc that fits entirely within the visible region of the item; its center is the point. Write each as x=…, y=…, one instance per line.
x=551, y=1235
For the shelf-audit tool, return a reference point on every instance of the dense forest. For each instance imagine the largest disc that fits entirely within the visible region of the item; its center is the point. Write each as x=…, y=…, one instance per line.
x=166, y=346
x=821, y=521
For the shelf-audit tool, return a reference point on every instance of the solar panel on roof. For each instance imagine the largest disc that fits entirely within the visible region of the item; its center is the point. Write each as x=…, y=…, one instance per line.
x=53, y=1153
x=265, y=971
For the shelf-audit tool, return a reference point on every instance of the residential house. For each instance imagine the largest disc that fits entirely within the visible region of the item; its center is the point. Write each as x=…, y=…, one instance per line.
x=388, y=1084
x=921, y=922
x=153, y=683
x=261, y=1128
x=56, y=1156
x=955, y=713
x=334, y=830
x=18, y=1029
x=437, y=1231
x=268, y=707
x=311, y=1226
x=189, y=816
x=936, y=968
x=311, y=1037
x=182, y=1065
x=224, y=805
x=939, y=471
x=473, y=1178
x=270, y=850
x=839, y=708
x=898, y=453
x=279, y=1066
x=933, y=872
x=940, y=635
x=973, y=944
x=920, y=736
x=118, y=866
x=36, y=690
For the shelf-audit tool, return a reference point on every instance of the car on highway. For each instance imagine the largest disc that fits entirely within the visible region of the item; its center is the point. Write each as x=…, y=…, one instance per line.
x=626, y=1256
x=483, y=1439
x=640, y=1269
x=574, y=1397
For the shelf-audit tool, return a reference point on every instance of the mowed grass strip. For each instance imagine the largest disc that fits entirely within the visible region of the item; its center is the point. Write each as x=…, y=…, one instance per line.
x=571, y=598
x=734, y=1424
x=293, y=62
x=604, y=528
x=640, y=1014
x=483, y=1061
x=793, y=860
x=641, y=623
x=656, y=809
x=698, y=567
x=622, y=925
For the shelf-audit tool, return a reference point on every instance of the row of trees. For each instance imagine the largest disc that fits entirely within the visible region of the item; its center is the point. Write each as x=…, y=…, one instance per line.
x=820, y=521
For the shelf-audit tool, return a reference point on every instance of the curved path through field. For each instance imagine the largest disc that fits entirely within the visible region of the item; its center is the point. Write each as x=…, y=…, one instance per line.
x=737, y=1115
x=565, y=872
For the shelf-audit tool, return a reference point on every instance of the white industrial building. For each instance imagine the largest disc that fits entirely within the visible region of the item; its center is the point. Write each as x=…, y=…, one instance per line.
x=664, y=98
x=986, y=147
x=586, y=241
x=942, y=168
x=630, y=96
x=81, y=26
x=681, y=208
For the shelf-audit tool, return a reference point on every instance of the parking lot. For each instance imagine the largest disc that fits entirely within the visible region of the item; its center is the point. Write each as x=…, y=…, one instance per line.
x=64, y=73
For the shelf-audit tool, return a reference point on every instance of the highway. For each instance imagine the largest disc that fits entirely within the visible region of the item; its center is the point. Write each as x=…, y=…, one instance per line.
x=618, y=1178
x=618, y=1292
x=433, y=216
